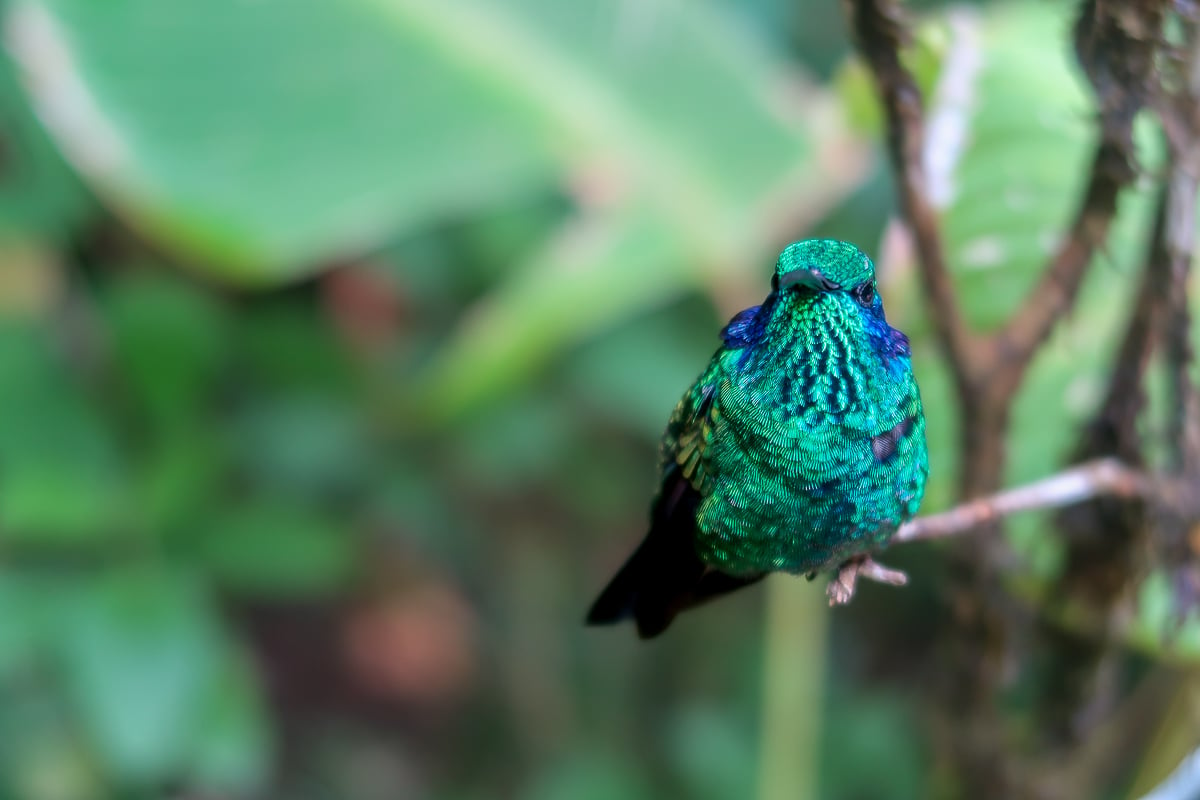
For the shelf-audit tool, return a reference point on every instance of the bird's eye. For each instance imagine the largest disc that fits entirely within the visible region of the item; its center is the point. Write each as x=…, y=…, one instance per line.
x=864, y=293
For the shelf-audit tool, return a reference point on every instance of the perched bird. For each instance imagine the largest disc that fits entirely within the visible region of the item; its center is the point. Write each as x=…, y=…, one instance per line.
x=801, y=448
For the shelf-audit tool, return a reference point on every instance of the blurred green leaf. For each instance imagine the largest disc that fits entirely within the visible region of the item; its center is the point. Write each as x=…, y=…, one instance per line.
x=286, y=344
x=60, y=468
x=24, y=625
x=140, y=648
x=691, y=151
x=169, y=342
x=303, y=442
x=588, y=276
x=276, y=548
x=1160, y=624
x=1011, y=127
x=179, y=477
x=515, y=443
x=233, y=741
x=41, y=757
x=587, y=776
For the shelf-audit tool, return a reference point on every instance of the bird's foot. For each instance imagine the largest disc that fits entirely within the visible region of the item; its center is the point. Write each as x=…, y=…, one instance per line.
x=841, y=588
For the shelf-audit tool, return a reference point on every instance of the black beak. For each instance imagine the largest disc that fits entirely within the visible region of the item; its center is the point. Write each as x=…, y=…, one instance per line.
x=811, y=277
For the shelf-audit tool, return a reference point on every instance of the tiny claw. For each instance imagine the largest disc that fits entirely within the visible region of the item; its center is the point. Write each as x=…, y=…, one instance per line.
x=841, y=588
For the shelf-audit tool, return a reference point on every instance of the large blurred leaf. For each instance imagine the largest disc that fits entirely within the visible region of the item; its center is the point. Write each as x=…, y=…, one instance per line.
x=266, y=136
x=313, y=127
x=38, y=194
x=317, y=127
x=712, y=150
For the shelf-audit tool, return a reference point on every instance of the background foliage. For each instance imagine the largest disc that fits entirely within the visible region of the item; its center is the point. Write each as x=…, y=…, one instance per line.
x=335, y=341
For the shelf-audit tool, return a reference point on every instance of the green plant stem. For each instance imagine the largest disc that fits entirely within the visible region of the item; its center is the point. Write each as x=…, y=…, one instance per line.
x=793, y=689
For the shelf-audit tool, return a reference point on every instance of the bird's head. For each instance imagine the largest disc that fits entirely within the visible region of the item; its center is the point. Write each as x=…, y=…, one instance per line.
x=830, y=283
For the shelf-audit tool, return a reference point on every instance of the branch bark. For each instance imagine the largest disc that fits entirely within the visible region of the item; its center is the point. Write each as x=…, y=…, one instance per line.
x=1106, y=476
x=1113, y=429
x=1181, y=116
x=880, y=33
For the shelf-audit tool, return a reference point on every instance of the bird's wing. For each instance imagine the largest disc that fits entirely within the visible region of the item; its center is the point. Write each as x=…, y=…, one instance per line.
x=665, y=575
x=690, y=429
x=693, y=420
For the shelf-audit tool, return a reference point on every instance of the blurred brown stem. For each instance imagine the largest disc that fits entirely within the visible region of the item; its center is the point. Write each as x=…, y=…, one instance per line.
x=879, y=30
x=1181, y=121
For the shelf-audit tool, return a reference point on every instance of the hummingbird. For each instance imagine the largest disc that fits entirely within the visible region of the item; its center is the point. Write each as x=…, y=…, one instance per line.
x=800, y=449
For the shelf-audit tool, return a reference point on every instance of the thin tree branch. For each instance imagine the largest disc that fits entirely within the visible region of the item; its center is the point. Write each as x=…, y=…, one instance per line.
x=1106, y=476
x=1182, y=124
x=1113, y=429
x=1104, y=538
x=1115, y=44
x=879, y=33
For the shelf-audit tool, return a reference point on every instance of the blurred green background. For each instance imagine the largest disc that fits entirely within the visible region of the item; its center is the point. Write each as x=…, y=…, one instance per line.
x=335, y=341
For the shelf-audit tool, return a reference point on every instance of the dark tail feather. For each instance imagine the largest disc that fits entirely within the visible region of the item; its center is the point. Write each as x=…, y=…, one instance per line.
x=655, y=584
x=664, y=575
x=619, y=598
x=643, y=590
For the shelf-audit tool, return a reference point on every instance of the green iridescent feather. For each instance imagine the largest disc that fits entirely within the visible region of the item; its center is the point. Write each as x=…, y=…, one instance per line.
x=802, y=445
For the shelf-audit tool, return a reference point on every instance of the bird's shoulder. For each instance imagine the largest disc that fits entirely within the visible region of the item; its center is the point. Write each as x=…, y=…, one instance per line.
x=695, y=419
x=691, y=424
